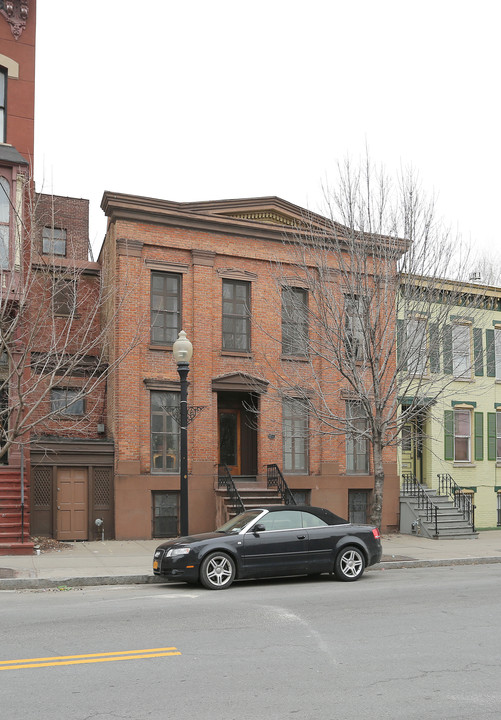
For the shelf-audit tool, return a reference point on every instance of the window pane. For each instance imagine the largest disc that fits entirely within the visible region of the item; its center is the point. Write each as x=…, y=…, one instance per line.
x=4, y=246
x=4, y=200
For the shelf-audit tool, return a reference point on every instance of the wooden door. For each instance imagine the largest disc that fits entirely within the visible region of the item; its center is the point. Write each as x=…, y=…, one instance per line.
x=230, y=439
x=72, y=504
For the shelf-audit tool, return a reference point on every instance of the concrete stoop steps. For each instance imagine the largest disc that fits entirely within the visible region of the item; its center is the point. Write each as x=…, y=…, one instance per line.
x=451, y=524
x=253, y=496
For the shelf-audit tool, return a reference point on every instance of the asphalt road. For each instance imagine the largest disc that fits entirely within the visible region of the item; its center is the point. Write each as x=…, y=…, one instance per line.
x=401, y=644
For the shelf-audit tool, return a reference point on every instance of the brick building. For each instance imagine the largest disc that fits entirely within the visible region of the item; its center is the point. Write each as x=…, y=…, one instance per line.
x=209, y=268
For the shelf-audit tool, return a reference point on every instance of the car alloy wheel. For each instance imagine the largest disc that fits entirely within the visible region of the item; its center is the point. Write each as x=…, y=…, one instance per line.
x=349, y=565
x=217, y=571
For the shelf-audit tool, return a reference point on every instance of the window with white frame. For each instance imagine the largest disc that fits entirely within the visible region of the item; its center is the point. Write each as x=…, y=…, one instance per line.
x=497, y=351
x=295, y=436
x=4, y=222
x=357, y=446
x=462, y=435
x=461, y=351
x=165, y=435
x=416, y=346
x=54, y=241
x=354, y=334
x=294, y=321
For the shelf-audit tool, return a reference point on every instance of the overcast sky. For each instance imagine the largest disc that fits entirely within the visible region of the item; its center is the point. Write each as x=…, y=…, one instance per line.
x=202, y=100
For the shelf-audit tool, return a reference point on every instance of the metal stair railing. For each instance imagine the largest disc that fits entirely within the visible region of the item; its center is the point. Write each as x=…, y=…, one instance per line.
x=274, y=478
x=448, y=486
x=224, y=479
x=412, y=488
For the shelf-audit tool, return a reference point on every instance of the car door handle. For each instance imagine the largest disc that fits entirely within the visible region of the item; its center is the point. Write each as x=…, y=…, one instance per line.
x=301, y=537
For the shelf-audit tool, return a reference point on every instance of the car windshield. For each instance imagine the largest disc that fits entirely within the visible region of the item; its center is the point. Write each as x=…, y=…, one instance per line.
x=240, y=521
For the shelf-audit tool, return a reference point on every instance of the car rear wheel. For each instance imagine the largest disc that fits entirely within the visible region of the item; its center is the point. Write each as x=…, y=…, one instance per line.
x=217, y=571
x=349, y=564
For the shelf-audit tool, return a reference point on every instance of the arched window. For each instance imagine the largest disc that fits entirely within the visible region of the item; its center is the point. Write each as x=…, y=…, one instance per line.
x=4, y=222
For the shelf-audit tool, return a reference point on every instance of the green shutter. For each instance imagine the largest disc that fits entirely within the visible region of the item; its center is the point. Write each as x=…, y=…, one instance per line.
x=491, y=353
x=401, y=354
x=447, y=349
x=491, y=435
x=478, y=351
x=449, y=435
x=479, y=436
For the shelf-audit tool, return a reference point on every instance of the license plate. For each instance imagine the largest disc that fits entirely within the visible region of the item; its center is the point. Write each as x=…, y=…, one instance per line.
x=155, y=565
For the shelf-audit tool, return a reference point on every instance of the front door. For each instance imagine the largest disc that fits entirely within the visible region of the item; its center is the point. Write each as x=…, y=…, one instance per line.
x=230, y=439
x=411, y=449
x=72, y=504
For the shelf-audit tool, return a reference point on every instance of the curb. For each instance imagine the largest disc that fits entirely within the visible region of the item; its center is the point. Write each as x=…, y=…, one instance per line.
x=48, y=583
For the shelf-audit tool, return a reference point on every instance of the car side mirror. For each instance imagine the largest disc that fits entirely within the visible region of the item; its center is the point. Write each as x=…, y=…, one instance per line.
x=258, y=528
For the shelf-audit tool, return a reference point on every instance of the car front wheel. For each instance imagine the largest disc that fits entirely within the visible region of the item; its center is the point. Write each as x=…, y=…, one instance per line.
x=349, y=564
x=217, y=571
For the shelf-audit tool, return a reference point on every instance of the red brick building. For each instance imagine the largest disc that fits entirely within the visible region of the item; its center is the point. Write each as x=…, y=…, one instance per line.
x=209, y=268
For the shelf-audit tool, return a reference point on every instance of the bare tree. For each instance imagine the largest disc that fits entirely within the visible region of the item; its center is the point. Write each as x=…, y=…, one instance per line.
x=380, y=279
x=55, y=326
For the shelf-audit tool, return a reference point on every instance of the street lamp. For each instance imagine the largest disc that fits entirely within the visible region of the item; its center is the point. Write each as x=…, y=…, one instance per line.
x=182, y=351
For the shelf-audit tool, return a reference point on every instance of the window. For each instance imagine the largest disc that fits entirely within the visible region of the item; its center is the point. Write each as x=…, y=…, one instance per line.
x=236, y=315
x=294, y=321
x=53, y=241
x=497, y=351
x=164, y=432
x=67, y=401
x=498, y=437
x=295, y=436
x=3, y=104
x=284, y=520
x=63, y=297
x=357, y=454
x=358, y=506
x=462, y=435
x=354, y=337
x=165, y=308
x=165, y=514
x=4, y=222
x=461, y=351
x=416, y=346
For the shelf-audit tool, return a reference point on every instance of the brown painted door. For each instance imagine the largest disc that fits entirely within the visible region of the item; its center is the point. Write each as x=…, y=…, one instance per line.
x=229, y=440
x=72, y=504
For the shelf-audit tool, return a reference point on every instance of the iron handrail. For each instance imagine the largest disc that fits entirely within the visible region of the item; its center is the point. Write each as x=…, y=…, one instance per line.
x=411, y=487
x=274, y=478
x=224, y=479
x=448, y=486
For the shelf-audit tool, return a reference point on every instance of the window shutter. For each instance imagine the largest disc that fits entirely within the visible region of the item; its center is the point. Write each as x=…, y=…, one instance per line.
x=479, y=436
x=478, y=351
x=449, y=435
x=491, y=353
x=434, y=348
x=401, y=334
x=491, y=435
x=447, y=349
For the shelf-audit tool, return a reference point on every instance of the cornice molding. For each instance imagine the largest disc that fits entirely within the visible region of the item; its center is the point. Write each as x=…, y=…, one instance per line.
x=164, y=266
x=236, y=274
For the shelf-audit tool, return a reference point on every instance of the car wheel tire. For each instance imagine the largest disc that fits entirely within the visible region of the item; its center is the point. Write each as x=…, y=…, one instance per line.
x=349, y=564
x=217, y=571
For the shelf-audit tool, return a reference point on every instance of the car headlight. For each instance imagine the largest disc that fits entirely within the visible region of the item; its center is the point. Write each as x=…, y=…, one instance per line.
x=175, y=552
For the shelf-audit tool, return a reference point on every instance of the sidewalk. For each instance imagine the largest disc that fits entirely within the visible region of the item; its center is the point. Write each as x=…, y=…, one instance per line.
x=120, y=562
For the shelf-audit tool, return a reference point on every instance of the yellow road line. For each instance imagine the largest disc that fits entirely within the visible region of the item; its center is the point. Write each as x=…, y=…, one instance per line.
x=88, y=658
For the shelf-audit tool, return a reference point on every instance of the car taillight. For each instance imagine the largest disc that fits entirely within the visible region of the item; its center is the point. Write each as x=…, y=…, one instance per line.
x=376, y=534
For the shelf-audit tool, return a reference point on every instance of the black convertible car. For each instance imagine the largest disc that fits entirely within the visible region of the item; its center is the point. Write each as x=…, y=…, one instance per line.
x=269, y=542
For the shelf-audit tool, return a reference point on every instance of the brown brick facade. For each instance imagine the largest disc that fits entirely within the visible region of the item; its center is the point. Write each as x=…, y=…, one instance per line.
x=203, y=245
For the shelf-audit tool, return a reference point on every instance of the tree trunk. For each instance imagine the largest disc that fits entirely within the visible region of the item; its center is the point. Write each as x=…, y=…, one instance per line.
x=377, y=505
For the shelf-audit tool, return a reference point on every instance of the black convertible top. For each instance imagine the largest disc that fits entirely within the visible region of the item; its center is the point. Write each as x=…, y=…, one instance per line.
x=325, y=515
